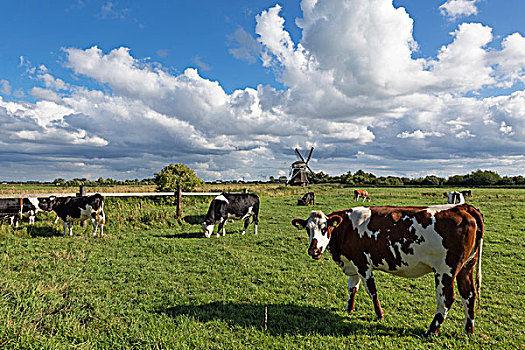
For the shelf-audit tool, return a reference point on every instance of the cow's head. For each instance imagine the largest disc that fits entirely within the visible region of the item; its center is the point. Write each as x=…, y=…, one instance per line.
x=208, y=228
x=319, y=228
x=46, y=203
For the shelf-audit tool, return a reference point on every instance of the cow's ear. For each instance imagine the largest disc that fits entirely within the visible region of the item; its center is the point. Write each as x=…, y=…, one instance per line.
x=334, y=221
x=299, y=223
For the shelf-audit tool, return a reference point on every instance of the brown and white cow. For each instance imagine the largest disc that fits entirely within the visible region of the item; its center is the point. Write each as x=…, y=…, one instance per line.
x=361, y=193
x=405, y=241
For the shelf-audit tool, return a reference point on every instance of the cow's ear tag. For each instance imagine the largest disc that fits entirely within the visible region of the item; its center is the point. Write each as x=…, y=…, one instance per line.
x=299, y=223
x=335, y=220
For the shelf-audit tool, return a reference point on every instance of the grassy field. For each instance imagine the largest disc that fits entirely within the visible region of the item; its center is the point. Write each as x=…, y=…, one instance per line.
x=153, y=282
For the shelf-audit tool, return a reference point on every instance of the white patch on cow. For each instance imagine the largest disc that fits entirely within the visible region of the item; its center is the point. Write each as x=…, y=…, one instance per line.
x=34, y=201
x=433, y=209
x=248, y=214
x=347, y=266
x=360, y=218
x=316, y=227
x=208, y=230
x=221, y=198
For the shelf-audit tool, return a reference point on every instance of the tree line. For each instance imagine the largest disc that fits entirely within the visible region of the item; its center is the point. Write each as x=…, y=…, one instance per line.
x=174, y=175
x=475, y=178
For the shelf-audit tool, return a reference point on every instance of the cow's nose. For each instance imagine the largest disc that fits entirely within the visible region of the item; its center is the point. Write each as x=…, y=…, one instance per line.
x=313, y=251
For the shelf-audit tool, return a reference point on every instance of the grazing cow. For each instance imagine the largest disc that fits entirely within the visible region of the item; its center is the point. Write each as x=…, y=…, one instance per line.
x=307, y=199
x=408, y=242
x=467, y=193
x=71, y=209
x=14, y=208
x=361, y=193
x=231, y=206
x=455, y=197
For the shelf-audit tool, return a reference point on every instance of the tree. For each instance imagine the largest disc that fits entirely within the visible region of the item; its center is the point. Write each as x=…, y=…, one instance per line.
x=174, y=175
x=485, y=177
x=433, y=180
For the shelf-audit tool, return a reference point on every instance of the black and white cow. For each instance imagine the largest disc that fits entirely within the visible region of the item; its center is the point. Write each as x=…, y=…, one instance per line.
x=455, y=197
x=410, y=242
x=71, y=209
x=14, y=208
x=467, y=193
x=306, y=199
x=226, y=206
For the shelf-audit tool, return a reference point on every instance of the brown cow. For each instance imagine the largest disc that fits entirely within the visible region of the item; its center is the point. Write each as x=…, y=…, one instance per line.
x=307, y=199
x=408, y=242
x=361, y=193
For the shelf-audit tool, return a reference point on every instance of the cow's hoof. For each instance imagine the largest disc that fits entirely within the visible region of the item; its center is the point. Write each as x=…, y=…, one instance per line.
x=430, y=334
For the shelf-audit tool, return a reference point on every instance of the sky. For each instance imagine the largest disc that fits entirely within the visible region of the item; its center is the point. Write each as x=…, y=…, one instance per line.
x=120, y=89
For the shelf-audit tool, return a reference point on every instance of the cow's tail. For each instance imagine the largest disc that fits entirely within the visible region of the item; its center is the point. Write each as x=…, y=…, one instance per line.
x=480, y=231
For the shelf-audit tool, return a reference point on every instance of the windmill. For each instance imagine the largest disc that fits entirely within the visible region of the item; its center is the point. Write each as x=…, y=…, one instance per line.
x=298, y=170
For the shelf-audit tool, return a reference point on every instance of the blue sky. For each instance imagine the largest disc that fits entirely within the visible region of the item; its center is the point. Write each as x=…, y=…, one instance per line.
x=119, y=89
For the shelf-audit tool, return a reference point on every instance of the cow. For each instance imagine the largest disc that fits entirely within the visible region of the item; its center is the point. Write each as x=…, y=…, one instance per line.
x=14, y=208
x=405, y=241
x=71, y=209
x=361, y=193
x=231, y=206
x=306, y=199
x=467, y=193
x=455, y=197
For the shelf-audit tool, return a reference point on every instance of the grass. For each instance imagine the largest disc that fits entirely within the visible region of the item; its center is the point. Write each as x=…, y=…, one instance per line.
x=154, y=282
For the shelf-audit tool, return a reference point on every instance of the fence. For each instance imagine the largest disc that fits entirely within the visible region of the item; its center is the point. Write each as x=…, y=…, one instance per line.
x=82, y=192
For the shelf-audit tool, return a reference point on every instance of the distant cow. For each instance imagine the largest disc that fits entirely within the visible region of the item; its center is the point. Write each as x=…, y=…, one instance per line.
x=467, y=193
x=455, y=197
x=361, y=193
x=307, y=199
x=14, y=208
x=71, y=209
x=405, y=241
x=231, y=206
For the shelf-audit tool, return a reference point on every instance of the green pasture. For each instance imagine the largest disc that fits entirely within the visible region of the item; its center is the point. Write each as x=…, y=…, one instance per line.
x=156, y=283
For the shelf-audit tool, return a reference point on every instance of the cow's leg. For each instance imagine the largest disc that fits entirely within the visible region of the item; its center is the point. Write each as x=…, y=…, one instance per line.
x=444, y=300
x=246, y=223
x=94, y=223
x=256, y=222
x=467, y=290
x=221, y=227
x=370, y=286
x=70, y=225
x=353, y=287
x=64, y=223
x=102, y=222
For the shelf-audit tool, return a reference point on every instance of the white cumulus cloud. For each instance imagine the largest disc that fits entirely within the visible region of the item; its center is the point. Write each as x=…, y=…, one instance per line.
x=459, y=8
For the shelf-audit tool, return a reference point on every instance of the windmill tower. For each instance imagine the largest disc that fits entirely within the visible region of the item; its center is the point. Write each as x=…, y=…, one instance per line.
x=298, y=170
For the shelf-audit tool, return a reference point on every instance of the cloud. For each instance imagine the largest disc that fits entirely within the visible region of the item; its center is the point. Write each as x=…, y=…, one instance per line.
x=203, y=66
x=111, y=9
x=163, y=53
x=353, y=89
x=459, y=8
x=44, y=94
x=418, y=134
x=5, y=87
x=245, y=47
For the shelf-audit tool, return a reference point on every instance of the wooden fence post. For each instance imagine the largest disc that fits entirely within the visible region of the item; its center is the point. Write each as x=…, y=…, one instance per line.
x=179, y=202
